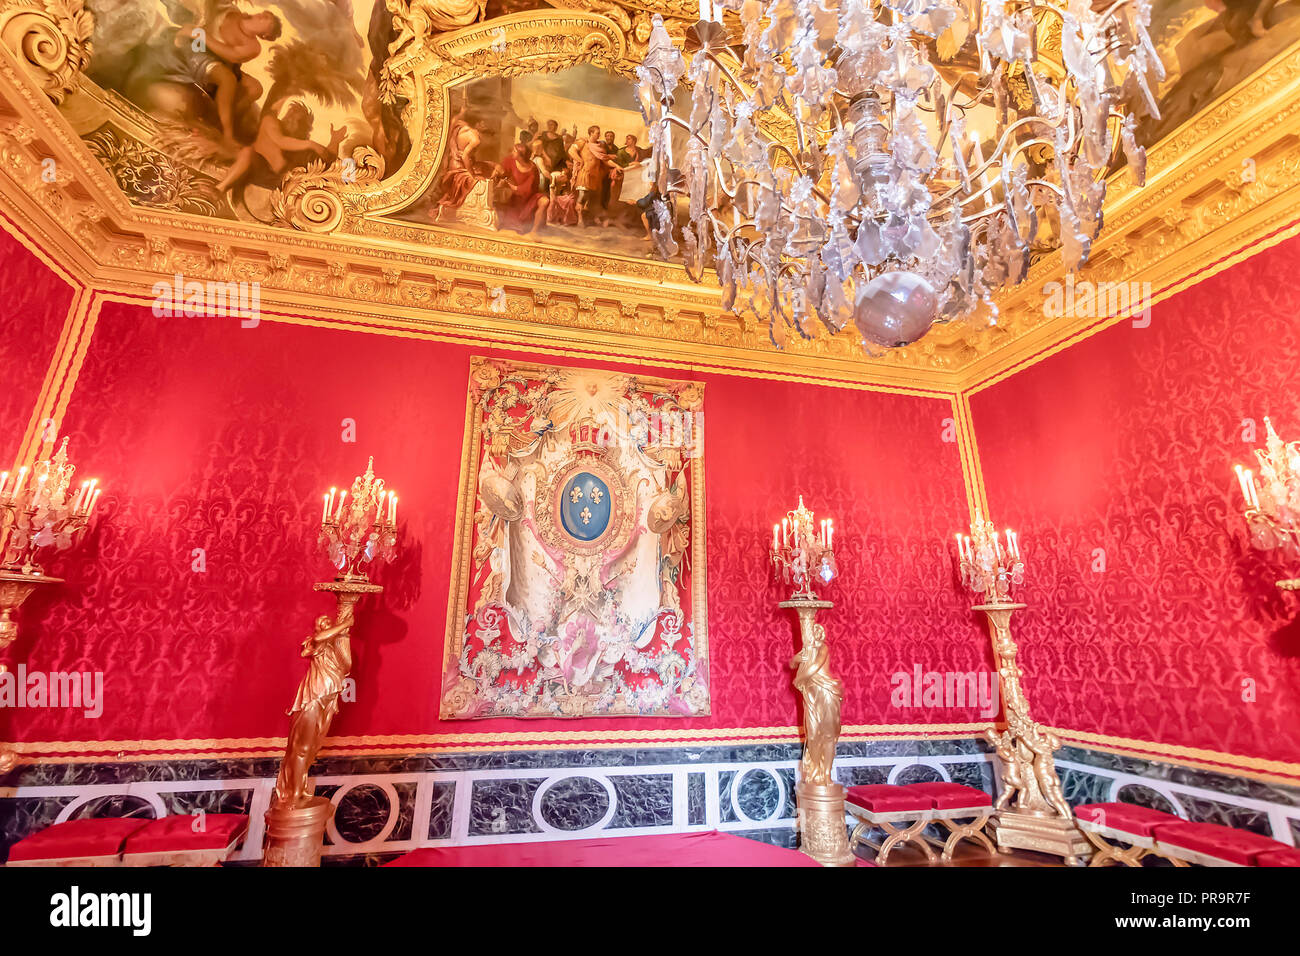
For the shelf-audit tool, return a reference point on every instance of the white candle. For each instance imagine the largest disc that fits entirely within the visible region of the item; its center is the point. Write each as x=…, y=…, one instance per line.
x=776, y=537
x=4, y=480
x=81, y=497
x=94, y=500
x=338, y=515
x=1252, y=497
x=830, y=534
x=18, y=482
x=325, y=508
x=704, y=9
x=785, y=532
x=392, y=509
x=1241, y=480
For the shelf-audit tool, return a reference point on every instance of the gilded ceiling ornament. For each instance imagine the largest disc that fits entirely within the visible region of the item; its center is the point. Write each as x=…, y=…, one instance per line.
x=51, y=38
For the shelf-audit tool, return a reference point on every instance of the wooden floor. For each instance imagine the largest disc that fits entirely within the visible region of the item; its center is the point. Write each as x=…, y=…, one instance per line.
x=965, y=855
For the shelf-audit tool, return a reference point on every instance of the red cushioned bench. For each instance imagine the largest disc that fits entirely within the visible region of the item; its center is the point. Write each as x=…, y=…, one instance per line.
x=131, y=841
x=185, y=840
x=920, y=804
x=1146, y=832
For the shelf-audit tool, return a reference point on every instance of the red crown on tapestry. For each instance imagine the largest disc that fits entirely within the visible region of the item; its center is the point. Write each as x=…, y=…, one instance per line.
x=588, y=438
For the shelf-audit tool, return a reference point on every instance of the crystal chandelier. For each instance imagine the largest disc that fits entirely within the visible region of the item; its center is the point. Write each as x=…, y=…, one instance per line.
x=889, y=162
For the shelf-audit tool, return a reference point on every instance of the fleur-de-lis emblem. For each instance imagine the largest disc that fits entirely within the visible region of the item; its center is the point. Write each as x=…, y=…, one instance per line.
x=585, y=515
x=596, y=495
x=575, y=493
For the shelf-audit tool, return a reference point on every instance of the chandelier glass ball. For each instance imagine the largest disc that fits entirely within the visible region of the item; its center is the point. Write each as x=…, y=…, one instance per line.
x=895, y=309
x=889, y=162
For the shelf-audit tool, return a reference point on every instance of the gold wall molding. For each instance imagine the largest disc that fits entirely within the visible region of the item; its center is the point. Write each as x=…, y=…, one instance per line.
x=164, y=749
x=84, y=751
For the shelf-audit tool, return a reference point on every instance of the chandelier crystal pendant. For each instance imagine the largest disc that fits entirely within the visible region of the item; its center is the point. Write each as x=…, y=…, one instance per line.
x=890, y=163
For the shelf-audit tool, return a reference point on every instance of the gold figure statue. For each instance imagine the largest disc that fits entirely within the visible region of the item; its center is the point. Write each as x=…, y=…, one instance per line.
x=1032, y=812
x=822, y=695
x=823, y=831
x=330, y=650
x=296, y=820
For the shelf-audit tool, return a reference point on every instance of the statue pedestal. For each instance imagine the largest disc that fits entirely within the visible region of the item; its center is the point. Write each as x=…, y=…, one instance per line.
x=295, y=836
x=822, y=830
x=1019, y=830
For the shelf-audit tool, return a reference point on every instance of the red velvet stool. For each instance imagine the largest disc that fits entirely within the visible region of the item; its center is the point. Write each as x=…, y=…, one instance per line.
x=882, y=805
x=94, y=842
x=175, y=841
x=1210, y=844
x=953, y=802
x=1125, y=823
x=1284, y=856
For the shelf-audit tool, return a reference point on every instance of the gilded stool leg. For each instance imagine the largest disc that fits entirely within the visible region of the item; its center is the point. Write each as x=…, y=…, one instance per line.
x=963, y=831
x=855, y=838
x=1110, y=853
x=909, y=835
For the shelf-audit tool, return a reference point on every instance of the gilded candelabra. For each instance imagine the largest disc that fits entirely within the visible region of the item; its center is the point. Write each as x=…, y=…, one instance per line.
x=39, y=508
x=1272, y=503
x=356, y=529
x=1031, y=811
x=361, y=528
x=801, y=552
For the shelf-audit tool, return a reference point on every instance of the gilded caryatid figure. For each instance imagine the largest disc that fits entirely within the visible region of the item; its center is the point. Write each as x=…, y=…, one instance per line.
x=823, y=835
x=822, y=696
x=330, y=650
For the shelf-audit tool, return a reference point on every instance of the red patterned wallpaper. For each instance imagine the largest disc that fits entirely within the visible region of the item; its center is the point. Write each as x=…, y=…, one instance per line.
x=34, y=303
x=1124, y=444
x=207, y=435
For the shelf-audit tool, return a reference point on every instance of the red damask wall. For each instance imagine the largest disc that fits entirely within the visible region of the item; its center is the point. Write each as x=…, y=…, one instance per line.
x=207, y=435
x=1125, y=444
x=34, y=302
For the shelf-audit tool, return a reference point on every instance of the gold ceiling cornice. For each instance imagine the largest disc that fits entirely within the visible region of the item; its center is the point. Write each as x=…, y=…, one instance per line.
x=1199, y=206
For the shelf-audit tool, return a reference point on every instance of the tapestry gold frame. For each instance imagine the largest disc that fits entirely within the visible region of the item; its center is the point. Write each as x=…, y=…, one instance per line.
x=462, y=565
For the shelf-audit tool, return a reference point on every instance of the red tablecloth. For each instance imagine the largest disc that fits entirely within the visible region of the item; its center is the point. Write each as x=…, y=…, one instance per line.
x=670, y=849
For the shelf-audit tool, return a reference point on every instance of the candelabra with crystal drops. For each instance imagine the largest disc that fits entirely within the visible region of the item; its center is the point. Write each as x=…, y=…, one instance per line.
x=1031, y=812
x=40, y=508
x=803, y=551
x=1272, y=499
x=359, y=527
x=802, y=554
x=989, y=567
x=890, y=164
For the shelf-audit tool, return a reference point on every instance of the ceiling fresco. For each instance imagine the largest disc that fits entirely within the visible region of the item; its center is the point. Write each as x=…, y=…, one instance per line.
x=221, y=110
x=362, y=162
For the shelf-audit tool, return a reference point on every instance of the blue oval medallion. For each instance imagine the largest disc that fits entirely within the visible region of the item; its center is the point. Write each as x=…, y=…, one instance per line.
x=585, y=507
